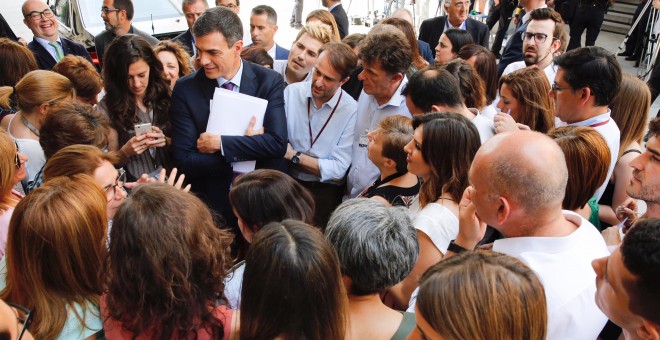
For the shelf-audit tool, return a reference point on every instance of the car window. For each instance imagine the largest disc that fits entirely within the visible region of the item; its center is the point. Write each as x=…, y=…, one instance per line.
x=62, y=11
x=145, y=10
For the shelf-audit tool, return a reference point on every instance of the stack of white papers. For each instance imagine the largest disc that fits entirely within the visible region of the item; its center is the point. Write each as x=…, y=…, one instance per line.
x=230, y=115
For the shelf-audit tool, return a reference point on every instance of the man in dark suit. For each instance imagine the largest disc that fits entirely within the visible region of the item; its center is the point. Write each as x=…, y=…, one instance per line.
x=263, y=26
x=206, y=158
x=457, y=17
x=48, y=47
x=513, y=50
x=192, y=9
x=337, y=11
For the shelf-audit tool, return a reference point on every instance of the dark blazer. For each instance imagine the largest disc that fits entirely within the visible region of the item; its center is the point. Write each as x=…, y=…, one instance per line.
x=425, y=51
x=431, y=30
x=186, y=40
x=513, y=50
x=341, y=19
x=281, y=53
x=46, y=60
x=211, y=174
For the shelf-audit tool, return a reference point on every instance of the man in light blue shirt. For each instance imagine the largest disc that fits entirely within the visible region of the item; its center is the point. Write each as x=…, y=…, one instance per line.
x=320, y=123
x=386, y=55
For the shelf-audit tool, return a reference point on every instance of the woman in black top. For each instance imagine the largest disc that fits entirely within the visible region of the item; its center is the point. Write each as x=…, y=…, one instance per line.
x=395, y=186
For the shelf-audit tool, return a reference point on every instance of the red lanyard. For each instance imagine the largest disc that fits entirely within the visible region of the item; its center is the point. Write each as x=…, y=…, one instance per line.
x=309, y=119
x=599, y=124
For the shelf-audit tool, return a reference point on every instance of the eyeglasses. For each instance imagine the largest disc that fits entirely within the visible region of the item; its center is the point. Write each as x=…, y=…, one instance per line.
x=539, y=38
x=23, y=315
x=35, y=15
x=230, y=6
x=111, y=190
x=106, y=10
x=557, y=88
x=17, y=158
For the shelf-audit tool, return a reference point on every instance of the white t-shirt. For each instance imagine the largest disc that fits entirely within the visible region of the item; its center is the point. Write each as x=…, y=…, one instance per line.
x=563, y=265
x=233, y=286
x=436, y=221
x=550, y=70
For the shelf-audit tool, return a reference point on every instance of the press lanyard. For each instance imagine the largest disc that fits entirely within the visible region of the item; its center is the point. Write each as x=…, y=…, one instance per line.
x=309, y=120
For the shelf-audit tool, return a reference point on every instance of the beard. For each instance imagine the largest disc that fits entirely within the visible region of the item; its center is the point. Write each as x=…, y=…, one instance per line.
x=536, y=57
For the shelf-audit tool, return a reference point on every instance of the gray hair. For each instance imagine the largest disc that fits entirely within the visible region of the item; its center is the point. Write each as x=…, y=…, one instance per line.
x=377, y=245
x=270, y=12
x=185, y=3
x=221, y=20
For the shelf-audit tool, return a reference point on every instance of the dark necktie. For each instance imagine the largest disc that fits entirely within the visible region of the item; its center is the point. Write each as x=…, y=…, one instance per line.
x=228, y=85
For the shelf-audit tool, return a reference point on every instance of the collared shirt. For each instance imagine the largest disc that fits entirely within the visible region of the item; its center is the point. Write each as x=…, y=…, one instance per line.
x=236, y=79
x=333, y=6
x=272, y=52
x=279, y=66
x=334, y=146
x=610, y=131
x=463, y=26
x=550, y=70
x=563, y=264
x=46, y=44
x=363, y=172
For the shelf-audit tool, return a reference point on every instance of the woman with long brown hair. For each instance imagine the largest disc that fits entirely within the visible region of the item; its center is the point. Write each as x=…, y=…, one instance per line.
x=55, y=247
x=525, y=100
x=34, y=95
x=440, y=153
x=136, y=93
x=480, y=295
x=166, y=267
x=293, y=286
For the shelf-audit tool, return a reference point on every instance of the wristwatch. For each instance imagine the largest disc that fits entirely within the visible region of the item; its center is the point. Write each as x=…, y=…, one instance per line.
x=296, y=158
x=453, y=247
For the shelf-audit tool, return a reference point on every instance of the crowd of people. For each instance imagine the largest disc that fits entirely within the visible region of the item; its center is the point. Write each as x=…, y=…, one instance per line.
x=403, y=188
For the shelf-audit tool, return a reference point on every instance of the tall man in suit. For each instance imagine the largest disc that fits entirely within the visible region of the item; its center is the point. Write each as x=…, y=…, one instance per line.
x=206, y=158
x=117, y=16
x=457, y=17
x=192, y=9
x=48, y=47
x=337, y=11
x=513, y=51
x=263, y=26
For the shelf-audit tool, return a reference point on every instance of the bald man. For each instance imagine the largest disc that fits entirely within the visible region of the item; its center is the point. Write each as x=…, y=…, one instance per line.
x=48, y=46
x=518, y=181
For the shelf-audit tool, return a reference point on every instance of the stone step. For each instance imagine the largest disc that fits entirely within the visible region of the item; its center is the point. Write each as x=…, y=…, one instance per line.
x=615, y=27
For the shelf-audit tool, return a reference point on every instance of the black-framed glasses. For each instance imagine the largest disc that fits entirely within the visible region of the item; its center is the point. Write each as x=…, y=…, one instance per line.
x=23, y=315
x=557, y=88
x=36, y=15
x=111, y=190
x=17, y=158
x=106, y=10
x=539, y=38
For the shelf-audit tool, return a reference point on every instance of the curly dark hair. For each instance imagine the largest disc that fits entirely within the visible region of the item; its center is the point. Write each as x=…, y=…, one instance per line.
x=389, y=46
x=166, y=265
x=122, y=52
x=641, y=256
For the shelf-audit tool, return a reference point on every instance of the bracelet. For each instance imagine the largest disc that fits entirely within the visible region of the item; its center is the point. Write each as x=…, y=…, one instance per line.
x=455, y=248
